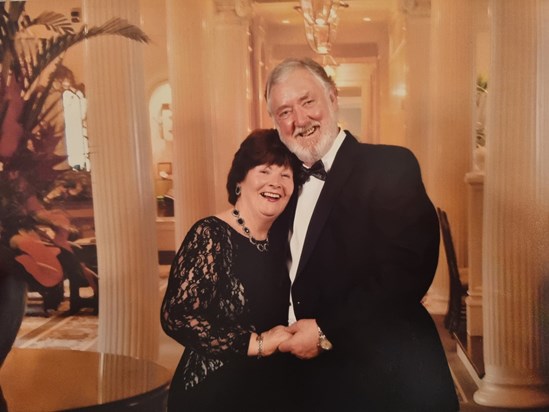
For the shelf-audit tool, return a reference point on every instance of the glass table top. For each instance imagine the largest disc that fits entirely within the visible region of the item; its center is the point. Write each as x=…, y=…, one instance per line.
x=52, y=379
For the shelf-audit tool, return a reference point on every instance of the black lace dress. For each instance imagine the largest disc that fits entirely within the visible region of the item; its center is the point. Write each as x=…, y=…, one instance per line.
x=221, y=289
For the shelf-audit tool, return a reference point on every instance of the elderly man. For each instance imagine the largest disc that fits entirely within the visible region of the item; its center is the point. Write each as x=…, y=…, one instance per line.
x=364, y=247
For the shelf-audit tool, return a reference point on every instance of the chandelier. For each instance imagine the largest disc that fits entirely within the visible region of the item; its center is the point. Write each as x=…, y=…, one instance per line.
x=320, y=19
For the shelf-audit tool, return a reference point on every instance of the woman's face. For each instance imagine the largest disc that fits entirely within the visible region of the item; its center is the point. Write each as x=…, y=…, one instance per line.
x=266, y=190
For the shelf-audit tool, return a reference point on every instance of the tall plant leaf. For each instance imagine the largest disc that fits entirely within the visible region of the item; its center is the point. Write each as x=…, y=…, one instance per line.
x=56, y=46
x=55, y=22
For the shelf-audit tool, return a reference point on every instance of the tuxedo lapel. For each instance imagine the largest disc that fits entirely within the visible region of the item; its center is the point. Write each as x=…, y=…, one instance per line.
x=339, y=172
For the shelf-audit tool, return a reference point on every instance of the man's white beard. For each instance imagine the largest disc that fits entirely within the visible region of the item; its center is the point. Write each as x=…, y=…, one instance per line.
x=311, y=154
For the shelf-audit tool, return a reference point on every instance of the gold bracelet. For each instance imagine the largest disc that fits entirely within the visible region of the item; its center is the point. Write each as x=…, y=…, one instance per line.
x=259, y=340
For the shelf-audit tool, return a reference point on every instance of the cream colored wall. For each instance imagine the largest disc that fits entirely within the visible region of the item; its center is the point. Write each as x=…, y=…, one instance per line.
x=394, y=132
x=157, y=90
x=155, y=63
x=162, y=146
x=74, y=58
x=416, y=105
x=482, y=24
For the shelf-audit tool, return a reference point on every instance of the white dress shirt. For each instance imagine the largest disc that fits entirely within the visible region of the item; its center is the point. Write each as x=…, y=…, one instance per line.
x=306, y=203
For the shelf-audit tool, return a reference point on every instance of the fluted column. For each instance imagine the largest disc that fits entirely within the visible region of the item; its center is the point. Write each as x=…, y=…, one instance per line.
x=417, y=14
x=188, y=32
x=123, y=195
x=516, y=210
x=231, y=97
x=450, y=135
x=475, y=181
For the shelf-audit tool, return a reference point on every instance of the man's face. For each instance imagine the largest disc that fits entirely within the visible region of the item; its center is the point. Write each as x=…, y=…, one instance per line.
x=305, y=115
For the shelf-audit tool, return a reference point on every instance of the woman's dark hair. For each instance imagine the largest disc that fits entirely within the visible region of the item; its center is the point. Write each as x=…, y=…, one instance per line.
x=262, y=146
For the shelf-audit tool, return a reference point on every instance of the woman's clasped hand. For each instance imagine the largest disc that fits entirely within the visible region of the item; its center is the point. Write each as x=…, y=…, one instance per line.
x=270, y=339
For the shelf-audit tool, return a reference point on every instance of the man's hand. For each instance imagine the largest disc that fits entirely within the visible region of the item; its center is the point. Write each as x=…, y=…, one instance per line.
x=304, y=342
x=271, y=339
x=274, y=337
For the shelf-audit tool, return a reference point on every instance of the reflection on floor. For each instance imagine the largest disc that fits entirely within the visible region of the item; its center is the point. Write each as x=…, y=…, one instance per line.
x=471, y=347
x=79, y=332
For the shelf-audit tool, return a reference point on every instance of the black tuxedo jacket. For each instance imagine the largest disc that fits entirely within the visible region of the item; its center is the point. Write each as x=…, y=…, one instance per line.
x=368, y=258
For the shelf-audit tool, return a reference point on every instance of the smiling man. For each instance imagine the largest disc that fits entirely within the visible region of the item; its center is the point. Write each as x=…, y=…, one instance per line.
x=364, y=247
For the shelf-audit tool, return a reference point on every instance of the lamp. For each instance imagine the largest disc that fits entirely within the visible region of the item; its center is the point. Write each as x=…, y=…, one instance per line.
x=320, y=19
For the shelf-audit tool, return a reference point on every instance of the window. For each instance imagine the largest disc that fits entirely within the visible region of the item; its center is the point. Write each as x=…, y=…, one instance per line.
x=76, y=136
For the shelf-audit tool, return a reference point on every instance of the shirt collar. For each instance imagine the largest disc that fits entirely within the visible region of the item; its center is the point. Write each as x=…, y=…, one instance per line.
x=329, y=157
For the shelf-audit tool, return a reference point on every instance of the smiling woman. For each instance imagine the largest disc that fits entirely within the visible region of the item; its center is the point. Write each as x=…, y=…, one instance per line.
x=228, y=290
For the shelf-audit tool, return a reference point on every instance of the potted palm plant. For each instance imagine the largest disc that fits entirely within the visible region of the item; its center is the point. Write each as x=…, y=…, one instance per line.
x=35, y=242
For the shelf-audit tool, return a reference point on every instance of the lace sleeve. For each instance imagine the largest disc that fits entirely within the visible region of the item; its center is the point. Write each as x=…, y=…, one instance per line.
x=203, y=299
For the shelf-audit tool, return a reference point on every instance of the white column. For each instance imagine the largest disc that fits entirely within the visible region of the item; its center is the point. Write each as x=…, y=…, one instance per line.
x=418, y=15
x=123, y=195
x=230, y=85
x=260, y=117
x=475, y=181
x=188, y=32
x=516, y=209
x=452, y=86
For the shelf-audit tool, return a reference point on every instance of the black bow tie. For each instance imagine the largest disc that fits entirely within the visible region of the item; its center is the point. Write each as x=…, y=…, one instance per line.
x=317, y=170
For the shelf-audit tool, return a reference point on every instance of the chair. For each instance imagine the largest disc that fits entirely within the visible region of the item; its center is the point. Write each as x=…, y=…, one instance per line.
x=455, y=318
x=80, y=271
x=50, y=298
x=84, y=275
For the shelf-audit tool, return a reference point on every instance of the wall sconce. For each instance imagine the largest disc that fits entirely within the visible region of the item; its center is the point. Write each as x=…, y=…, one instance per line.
x=320, y=19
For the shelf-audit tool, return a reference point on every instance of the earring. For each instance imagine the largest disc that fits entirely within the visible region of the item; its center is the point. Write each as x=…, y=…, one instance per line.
x=237, y=190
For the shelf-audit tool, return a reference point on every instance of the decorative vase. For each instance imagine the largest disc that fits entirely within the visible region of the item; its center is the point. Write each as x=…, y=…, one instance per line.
x=13, y=299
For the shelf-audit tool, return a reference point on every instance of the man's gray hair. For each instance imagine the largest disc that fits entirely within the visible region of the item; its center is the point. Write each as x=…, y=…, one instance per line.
x=289, y=65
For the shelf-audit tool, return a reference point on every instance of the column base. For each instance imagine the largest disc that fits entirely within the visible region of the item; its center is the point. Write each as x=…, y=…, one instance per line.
x=474, y=315
x=512, y=396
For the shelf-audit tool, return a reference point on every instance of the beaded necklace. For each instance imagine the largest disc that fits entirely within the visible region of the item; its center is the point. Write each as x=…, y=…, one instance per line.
x=261, y=245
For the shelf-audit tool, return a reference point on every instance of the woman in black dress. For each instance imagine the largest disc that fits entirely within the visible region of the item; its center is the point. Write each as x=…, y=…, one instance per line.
x=228, y=291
